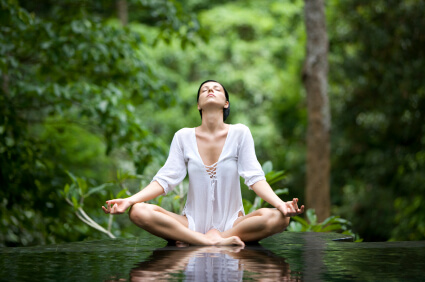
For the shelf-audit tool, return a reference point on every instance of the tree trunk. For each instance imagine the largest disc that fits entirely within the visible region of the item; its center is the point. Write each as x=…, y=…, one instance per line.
x=5, y=83
x=319, y=122
x=122, y=8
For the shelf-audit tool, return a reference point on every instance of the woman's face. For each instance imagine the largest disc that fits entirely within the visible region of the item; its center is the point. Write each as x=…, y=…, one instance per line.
x=212, y=94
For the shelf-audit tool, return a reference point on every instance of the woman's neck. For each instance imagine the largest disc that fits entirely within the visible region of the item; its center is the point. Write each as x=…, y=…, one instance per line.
x=212, y=121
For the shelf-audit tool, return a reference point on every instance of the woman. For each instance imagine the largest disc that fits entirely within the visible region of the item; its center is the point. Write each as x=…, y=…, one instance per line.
x=215, y=154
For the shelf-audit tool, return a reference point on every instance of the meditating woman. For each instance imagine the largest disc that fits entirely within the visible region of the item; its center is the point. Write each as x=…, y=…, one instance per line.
x=214, y=154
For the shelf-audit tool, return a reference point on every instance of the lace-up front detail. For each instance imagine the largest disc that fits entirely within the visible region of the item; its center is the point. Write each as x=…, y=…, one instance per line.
x=213, y=207
x=212, y=171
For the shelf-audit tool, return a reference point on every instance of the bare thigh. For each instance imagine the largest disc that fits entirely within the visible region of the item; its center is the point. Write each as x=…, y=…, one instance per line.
x=242, y=217
x=149, y=207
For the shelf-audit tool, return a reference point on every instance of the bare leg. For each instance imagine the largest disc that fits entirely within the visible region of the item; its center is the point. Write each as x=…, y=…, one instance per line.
x=258, y=225
x=167, y=225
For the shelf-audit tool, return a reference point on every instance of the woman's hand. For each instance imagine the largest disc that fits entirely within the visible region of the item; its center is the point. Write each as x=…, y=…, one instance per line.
x=290, y=208
x=117, y=206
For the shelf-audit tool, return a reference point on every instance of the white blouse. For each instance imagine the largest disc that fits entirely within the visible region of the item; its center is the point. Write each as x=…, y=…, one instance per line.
x=214, y=197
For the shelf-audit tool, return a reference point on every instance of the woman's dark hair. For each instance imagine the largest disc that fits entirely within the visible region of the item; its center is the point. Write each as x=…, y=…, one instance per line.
x=226, y=111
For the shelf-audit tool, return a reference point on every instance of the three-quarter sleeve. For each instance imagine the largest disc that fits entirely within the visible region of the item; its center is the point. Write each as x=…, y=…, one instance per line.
x=248, y=166
x=174, y=170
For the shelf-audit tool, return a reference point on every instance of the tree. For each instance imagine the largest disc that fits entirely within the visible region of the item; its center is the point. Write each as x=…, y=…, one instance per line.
x=378, y=87
x=122, y=10
x=73, y=83
x=319, y=121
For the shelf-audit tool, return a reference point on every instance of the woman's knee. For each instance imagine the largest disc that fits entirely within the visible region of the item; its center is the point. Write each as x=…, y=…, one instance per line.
x=275, y=221
x=141, y=213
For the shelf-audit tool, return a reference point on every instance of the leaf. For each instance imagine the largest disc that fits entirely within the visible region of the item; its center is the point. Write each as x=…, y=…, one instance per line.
x=295, y=227
x=176, y=206
x=257, y=204
x=160, y=198
x=247, y=205
x=97, y=189
x=315, y=228
x=342, y=221
x=82, y=184
x=103, y=106
x=267, y=167
x=66, y=189
x=331, y=227
x=273, y=177
x=284, y=191
x=74, y=179
x=122, y=193
x=311, y=216
x=329, y=220
x=75, y=202
x=301, y=221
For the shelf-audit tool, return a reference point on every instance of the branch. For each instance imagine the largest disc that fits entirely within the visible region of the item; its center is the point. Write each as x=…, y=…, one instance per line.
x=94, y=224
x=90, y=222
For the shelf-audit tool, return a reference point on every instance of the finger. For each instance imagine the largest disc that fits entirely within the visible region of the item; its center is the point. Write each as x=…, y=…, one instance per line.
x=105, y=210
x=294, y=203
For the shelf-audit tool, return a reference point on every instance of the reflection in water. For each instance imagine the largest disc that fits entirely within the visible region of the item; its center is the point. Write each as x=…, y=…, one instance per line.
x=213, y=264
x=312, y=257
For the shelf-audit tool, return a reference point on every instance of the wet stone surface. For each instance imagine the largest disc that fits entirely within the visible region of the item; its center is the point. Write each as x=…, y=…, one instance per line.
x=286, y=256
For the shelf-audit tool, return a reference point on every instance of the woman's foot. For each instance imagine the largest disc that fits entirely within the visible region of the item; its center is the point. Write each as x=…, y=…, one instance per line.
x=234, y=240
x=215, y=236
x=181, y=244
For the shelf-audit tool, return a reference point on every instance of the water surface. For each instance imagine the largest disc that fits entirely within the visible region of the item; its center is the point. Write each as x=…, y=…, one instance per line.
x=287, y=256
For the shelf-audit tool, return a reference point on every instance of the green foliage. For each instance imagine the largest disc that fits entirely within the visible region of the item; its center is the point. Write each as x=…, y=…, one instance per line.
x=82, y=93
x=272, y=177
x=376, y=72
x=175, y=200
x=72, y=83
x=76, y=193
x=331, y=224
x=409, y=216
x=256, y=52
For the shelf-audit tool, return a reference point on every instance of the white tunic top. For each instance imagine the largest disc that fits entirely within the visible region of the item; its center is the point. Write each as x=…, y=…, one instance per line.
x=214, y=197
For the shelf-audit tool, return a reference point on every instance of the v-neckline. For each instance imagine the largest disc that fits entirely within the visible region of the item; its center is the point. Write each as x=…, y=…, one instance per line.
x=222, y=149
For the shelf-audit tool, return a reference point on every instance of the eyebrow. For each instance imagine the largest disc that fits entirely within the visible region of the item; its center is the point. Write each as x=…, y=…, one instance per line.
x=214, y=86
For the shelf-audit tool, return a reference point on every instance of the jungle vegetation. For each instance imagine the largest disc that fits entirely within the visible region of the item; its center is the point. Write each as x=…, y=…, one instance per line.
x=93, y=91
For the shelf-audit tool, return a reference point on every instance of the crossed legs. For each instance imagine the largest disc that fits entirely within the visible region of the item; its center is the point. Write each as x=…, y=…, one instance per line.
x=258, y=225
x=254, y=226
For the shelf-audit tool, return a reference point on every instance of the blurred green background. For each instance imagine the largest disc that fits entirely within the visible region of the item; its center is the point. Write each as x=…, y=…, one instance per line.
x=93, y=91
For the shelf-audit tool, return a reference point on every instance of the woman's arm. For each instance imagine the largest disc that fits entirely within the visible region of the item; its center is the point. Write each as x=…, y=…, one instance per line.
x=118, y=206
x=265, y=192
x=169, y=176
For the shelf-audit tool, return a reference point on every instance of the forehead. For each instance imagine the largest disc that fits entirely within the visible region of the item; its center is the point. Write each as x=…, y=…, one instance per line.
x=211, y=84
